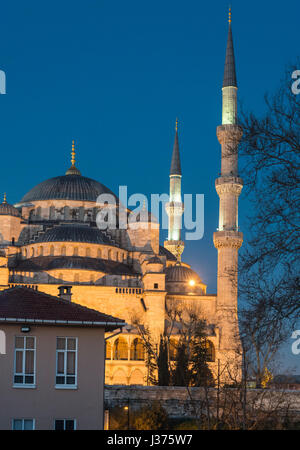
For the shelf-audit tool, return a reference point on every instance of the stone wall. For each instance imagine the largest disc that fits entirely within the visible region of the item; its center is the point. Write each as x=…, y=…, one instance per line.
x=176, y=400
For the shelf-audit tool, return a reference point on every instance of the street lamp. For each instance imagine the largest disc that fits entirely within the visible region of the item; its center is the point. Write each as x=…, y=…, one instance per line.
x=126, y=408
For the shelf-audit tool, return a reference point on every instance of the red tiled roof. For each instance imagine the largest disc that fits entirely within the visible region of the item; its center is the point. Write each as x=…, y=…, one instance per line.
x=20, y=304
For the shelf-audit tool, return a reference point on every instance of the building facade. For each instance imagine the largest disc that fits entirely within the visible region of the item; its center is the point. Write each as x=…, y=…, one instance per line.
x=52, y=370
x=51, y=238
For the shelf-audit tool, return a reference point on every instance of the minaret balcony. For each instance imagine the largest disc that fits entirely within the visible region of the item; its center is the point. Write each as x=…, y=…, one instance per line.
x=228, y=238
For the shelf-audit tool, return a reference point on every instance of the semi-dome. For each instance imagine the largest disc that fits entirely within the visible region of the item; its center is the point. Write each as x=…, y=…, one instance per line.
x=181, y=274
x=67, y=187
x=73, y=233
x=8, y=210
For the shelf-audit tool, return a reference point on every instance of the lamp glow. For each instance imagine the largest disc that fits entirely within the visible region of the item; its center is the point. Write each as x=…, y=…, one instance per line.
x=192, y=282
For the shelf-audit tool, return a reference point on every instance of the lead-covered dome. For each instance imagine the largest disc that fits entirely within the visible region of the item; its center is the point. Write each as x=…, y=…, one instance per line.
x=181, y=274
x=74, y=233
x=67, y=187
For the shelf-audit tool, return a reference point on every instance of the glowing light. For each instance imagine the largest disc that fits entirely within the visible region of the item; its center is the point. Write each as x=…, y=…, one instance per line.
x=192, y=282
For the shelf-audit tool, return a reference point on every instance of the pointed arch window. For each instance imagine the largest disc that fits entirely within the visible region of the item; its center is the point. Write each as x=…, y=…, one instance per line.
x=120, y=349
x=137, y=350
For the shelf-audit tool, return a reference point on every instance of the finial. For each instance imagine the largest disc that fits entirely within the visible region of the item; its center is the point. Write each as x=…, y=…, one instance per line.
x=73, y=154
x=176, y=125
x=229, y=15
x=4, y=198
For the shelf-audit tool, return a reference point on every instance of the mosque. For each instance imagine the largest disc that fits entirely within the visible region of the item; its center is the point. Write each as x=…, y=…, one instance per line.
x=50, y=239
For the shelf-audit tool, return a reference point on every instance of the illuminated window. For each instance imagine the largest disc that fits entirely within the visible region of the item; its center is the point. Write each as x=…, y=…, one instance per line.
x=108, y=350
x=66, y=361
x=120, y=349
x=210, y=351
x=172, y=350
x=75, y=251
x=41, y=251
x=137, y=350
x=24, y=366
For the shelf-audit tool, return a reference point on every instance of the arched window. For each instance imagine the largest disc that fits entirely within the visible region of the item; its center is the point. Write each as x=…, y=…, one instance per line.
x=210, y=351
x=38, y=212
x=99, y=253
x=109, y=254
x=41, y=251
x=75, y=251
x=32, y=252
x=51, y=250
x=63, y=251
x=25, y=253
x=108, y=350
x=172, y=349
x=120, y=349
x=137, y=350
x=88, y=252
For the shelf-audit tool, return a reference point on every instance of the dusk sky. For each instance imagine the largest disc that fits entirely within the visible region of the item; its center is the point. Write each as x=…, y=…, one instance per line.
x=115, y=75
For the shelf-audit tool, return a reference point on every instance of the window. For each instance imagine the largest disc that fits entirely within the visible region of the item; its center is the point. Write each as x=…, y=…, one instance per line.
x=66, y=361
x=108, y=350
x=75, y=251
x=63, y=251
x=51, y=250
x=99, y=255
x=120, y=349
x=65, y=424
x=155, y=285
x=137, y=350
x=24, y=367
x=88, y=252
x=210, y=351
x=23, y=424
x=41, y=251
x=172, y=349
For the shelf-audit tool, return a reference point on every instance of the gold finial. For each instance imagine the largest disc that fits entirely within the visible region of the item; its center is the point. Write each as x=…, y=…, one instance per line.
x=229, y=15
x=73, y=154
x=176, y=125
x=4, y=198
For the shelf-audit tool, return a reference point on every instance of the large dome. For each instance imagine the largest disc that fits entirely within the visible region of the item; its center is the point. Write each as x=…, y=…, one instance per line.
x=67, y=187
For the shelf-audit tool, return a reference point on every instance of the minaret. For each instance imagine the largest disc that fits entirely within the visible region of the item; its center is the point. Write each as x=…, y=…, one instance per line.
x=228, y=239
x=175, y=207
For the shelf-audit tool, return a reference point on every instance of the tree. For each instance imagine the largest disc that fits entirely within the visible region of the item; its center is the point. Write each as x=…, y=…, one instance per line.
x=270, y=156
x=152, y=417
x=163, y=363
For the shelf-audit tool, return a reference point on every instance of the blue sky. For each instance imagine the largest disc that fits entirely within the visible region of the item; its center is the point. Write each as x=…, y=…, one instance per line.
x=114, y=76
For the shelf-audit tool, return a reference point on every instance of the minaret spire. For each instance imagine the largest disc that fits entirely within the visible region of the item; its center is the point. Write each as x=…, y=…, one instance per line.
x=73, y=170
x=175, y=207
x=228, y=239
x=229, y=113
x=175, y=163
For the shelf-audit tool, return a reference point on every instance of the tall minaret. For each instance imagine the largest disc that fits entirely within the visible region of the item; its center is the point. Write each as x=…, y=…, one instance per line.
x=228, y=239
x=175, y=207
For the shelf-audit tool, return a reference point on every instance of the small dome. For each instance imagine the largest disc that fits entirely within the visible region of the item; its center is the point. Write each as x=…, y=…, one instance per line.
x=74, y=233
x=181, y=274
x=67, y=187
x=8, y=210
